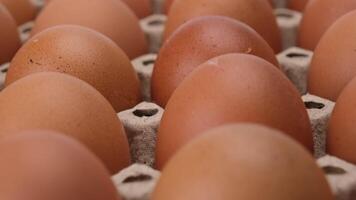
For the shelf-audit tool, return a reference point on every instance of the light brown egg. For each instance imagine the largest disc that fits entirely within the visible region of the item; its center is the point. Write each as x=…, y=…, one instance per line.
x=9, y=37
x=228, y=89
x=318, y=16
x=242, y=161
x=142, y=8
x=341, y=138
x=59, y=102
x=256, y=13
x=333, y=63
x=43, y=165
x=22, y=10
x=85, y=54
x=197, y=41
x=113, y=18
x=297, y=5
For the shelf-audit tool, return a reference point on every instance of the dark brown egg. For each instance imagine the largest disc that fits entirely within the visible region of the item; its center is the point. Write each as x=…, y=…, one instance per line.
x=22, y=10
x=334, y=62
x=45, y=165
x=242, y=161
x=111, y=17
x=318, y=16
x=297, y=5
x=198, y=41
x=341, y=138
x=9, y=37
x=256, y=13
x=85, y=54
x=59, y=102
x=228, y=89
x=142, y=8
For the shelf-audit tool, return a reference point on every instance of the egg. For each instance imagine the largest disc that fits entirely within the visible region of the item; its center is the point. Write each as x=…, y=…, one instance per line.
x=318, y=16
x=341, y=138
x=83, y=53
x=333, y=63
x=197, y=41
x=46, y=165
x=9, y=37
x=167, y=5
x=256, y=13
x=142, y=8
x=297, y=5
x=227, y=89
x=242, y=161
x=22, y=10
x=113, y=18
x=59, y=102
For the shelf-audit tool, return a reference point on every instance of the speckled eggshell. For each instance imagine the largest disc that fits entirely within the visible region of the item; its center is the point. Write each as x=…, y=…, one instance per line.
x=59, y=102
x=85, y=54
x=318, y=16
x=43, y=165
x=341, y=137
x=256, y=13
x=113, y=18
x=9, y=37
x=198, y=41
x=242, y=161
x=297, y=5
x=228, y=89
x=22, y=10
x=334, y=63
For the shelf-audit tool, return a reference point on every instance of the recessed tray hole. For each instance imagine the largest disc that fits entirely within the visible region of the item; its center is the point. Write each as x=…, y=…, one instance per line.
x=285, y=15
x=139, y=178
x=155, y=22
x=297, y=55
x=148, y=62
x=313, y=105
x=332, y=170
x=145, y=112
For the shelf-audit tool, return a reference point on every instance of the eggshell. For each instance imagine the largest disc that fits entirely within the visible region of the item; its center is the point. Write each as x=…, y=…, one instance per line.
x=198, y=41
x=9, y=37
x=333, y=63
x=242, y=161
x=256, y=13
x=142, y=8
x=59, y=102
x=318, y=16
x=22, y=10
x=85, y=54
x=228, y=89
x=113, y=18
x=341, y=138
x=298, y=5
x=42, y=165
x=167, y=5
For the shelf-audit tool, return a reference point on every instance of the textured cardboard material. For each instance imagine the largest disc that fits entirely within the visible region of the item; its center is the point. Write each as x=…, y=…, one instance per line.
x=341, y=176
x=319, y=111
x=153, y=26
x=288, y=22
x=136, y=182
x=144, y=67
x=141, y=124
x=295, y=63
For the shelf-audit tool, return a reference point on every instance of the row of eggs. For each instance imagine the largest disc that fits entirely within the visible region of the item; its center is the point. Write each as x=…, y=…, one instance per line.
x=199, y=78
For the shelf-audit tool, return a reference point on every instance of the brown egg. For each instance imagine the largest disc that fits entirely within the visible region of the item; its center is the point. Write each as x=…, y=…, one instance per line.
x=85, y=54
x=256, y=13
x=197, y=41
x=44, y=165
x=9, y=37
x=142, y=8
x=242, y=161
x=55, y=101
x=110, y=17
x=167, y=5
x=228, y=89
x=297, y=5
x=333, y=63
x=318, y=16
x=22, y=10
x=341, y=138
